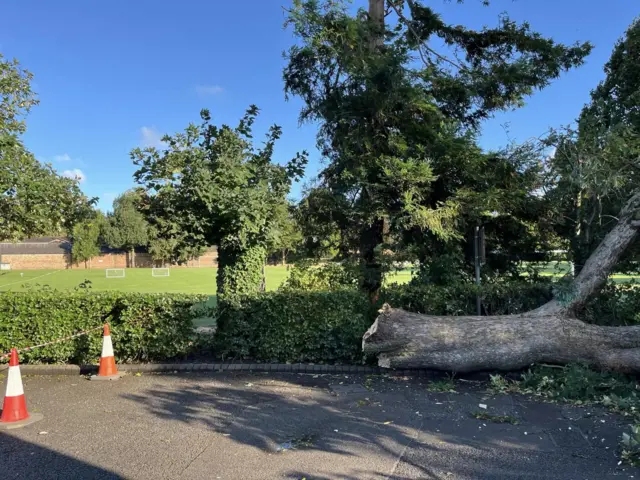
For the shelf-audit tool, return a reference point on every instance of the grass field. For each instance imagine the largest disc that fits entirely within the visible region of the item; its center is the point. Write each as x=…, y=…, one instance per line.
x=559, y=269
x=181, y=280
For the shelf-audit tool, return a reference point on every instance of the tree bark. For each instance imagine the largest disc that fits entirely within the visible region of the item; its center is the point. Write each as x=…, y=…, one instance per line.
x=548, y=334
x=376, y=17
x=509, y=342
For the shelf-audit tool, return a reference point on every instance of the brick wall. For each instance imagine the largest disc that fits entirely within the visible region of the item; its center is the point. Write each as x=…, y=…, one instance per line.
x=107, y=260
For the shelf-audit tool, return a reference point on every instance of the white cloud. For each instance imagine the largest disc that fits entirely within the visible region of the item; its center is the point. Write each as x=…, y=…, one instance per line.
x=65, y=157
x=205, y=90
x=151, y=137
x=76, y=174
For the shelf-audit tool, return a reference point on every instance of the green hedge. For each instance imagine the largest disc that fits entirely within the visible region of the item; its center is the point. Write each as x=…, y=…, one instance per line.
x=144, y=327
x=295, y=327
x=303, y=326
x=503, y=298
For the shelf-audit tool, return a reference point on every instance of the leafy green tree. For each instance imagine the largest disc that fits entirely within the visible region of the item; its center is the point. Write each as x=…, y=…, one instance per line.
x=387, y=121
x=595, y=168
x=211, y=186
x=322, y=218
x=16, y=96
x=86, y=239
x=34, y=199
x=127, y=227
x=286, y=236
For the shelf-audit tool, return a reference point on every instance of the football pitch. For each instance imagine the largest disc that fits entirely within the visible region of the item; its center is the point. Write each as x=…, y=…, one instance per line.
x=180, y=280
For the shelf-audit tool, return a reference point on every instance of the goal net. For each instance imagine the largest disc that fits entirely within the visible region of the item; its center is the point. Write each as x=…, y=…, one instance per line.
x=115, y=272
x=159, y=272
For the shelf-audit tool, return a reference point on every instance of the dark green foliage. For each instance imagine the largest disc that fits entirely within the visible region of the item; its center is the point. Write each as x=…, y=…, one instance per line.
x=595, y=169
x=144, y=327
x=297, y=324
x=295, y=327
x=616, y=304
x=398, y=134
x=460, y=299
x=575, y=382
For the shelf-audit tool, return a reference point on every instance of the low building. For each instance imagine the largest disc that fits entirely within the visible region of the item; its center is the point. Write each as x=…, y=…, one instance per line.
x=54, y=253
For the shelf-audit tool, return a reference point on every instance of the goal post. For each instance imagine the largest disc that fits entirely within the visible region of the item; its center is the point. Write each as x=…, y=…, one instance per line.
x=115, y=273
x=160, y=272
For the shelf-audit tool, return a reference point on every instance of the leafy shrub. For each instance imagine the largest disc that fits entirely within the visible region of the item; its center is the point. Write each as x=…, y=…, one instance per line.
x=616, y=304
x=497, y=298
x=630, y=444
x=575, y=383
x=143, y=326
x=295, y=326
x=307, y=277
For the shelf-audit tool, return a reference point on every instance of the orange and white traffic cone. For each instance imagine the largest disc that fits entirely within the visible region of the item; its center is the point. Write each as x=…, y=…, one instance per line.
x=107, y=369
x=14, y=409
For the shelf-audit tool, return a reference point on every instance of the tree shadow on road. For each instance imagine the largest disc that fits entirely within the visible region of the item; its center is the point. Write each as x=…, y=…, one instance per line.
x=387, y=434
x=22, y=459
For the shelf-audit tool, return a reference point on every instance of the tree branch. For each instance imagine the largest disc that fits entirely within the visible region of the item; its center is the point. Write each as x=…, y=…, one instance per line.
x=427, y=61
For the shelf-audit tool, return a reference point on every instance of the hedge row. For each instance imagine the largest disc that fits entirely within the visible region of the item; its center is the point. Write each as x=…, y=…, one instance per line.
x=144, y=327
x=328, y=326
x=285, y=326
x=503, y=298
x=295, y=327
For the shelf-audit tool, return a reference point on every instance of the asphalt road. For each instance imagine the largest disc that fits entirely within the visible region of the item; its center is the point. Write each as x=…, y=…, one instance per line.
x=279, y=426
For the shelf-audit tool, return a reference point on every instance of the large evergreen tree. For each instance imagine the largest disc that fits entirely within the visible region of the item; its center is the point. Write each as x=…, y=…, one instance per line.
x=391, y=108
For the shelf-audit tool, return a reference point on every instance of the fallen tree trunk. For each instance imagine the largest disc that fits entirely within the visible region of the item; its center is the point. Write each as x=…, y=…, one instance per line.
x=549, y=334
x=509, y=342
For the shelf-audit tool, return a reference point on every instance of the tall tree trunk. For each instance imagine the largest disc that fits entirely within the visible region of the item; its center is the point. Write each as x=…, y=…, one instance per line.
x=376, y=17
x=373, y=235
x=371, y=268
x=547, y=334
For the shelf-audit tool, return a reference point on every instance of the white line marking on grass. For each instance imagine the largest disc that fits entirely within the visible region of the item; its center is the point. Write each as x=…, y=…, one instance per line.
x=28, y=280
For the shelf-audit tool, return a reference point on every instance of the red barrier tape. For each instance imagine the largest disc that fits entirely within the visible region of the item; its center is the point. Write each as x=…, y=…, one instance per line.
x=64, y=339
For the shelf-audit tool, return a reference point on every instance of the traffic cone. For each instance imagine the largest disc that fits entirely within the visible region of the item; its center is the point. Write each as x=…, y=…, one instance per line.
x=107, y=369
x=14, y=409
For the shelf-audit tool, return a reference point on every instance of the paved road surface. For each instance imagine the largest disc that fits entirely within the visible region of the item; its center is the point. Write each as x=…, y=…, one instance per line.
x=279, y=426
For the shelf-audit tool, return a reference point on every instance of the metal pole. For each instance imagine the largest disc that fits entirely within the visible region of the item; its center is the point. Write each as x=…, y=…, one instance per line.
x=476, y=256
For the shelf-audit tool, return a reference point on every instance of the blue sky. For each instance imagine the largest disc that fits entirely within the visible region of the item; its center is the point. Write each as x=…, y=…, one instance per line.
x=115, y=75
